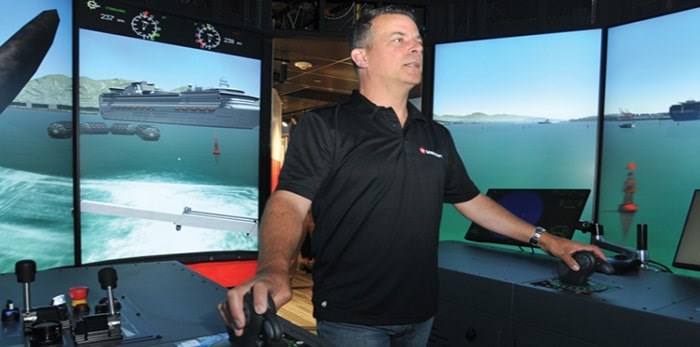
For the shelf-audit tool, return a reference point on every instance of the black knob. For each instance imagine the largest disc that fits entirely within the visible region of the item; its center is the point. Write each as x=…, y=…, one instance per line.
x=25, y=271
x=642, y=237
x=108, y=277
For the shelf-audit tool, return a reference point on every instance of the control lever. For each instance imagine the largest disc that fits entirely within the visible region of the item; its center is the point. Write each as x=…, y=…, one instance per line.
x=25, y=270
x=108, y=281
x=100, y=327
x=260, y=330
x=588, y=263
x=626, y=259
x=41, y=325
x=642, y=231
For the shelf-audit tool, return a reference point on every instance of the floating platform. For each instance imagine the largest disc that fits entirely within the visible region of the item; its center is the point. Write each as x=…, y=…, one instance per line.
x=64, y=130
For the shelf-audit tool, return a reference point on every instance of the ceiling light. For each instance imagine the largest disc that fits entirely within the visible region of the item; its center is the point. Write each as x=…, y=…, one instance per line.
x=303, y=65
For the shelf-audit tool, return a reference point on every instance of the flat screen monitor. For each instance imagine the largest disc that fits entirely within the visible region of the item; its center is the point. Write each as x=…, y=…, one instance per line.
x=36, y=174
x=688, y=250
x=169, y=134
x=557, y=210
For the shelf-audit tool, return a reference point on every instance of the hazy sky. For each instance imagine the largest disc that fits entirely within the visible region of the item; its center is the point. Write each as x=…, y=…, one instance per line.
x=651, y=64
x=654, y=63
x=548, y=75
x=105, y=56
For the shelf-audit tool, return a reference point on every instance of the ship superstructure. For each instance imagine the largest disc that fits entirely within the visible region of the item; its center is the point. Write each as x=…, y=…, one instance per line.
x=684, y=111
x=213, y=107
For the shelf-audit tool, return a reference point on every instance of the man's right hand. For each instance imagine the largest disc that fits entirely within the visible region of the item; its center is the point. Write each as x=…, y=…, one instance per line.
x=276, y=283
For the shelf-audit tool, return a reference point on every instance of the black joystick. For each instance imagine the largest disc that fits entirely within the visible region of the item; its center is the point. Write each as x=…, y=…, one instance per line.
x=41, y=325
x=260, y=330
x=108, y=281
x=26, y=271
x=588, y=263
x=103, y=327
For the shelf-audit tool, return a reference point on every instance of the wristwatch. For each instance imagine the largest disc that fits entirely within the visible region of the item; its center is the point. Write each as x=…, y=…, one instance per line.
x=535, y=238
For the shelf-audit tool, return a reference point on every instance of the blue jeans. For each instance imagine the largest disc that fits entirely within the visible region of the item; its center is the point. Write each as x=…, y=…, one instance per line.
x=404, y=335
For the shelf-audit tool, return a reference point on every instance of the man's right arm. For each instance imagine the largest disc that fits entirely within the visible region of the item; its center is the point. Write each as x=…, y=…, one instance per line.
x=279, y=237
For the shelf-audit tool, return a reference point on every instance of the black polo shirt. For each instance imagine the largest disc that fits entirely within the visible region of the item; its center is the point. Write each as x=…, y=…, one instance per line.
x=377, y=191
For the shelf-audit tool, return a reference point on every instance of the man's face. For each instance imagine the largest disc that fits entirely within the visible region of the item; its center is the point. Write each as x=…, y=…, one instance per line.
x=395, y=52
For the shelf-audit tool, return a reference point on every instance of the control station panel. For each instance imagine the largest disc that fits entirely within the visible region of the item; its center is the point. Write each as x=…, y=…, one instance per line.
x=139, y=304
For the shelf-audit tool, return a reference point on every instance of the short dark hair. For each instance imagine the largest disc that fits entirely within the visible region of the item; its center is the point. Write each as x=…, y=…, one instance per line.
x=363, y=27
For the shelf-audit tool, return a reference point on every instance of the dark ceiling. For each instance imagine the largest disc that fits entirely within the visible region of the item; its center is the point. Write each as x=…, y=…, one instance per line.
x=316, y=32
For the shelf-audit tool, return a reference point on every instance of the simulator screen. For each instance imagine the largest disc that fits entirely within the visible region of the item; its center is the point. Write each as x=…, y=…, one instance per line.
x=36, y=174
x=649, y=148
x=522, y=111
x=169, y=134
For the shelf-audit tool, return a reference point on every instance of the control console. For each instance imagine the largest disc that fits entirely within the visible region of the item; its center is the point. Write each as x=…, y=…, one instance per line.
x=147, y=312
x=45, y=325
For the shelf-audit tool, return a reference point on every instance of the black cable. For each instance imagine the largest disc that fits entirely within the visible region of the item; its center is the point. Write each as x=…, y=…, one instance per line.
x=662, y=266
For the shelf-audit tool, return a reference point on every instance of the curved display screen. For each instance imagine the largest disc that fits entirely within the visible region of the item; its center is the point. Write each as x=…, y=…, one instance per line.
x=650, y=138
x=36, y=174
x=169, y=130
x=522, y=111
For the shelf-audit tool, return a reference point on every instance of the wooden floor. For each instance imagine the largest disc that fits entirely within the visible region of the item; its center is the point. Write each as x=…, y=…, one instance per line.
x=300, y=310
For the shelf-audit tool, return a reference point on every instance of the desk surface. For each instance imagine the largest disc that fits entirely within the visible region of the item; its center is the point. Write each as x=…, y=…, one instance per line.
x=647, y=290
x=648, y=305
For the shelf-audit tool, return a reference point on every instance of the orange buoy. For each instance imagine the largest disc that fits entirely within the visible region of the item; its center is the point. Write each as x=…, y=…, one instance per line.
x=216, y=146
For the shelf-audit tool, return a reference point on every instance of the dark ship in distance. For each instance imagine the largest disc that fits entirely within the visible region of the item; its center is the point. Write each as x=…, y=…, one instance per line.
x=684, y=111
x=211, y=107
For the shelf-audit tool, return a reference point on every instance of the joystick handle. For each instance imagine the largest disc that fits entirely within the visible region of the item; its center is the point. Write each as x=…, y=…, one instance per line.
x=108, y=280
x=588, y=263
x=260, y=329
x=25, y=271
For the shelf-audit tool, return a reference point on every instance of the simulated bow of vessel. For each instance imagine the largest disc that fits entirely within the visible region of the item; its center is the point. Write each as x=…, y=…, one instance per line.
x=211, y=107
x=21, y=54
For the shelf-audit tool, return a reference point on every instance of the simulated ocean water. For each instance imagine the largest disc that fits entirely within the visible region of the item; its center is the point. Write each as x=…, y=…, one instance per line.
x=176, y=172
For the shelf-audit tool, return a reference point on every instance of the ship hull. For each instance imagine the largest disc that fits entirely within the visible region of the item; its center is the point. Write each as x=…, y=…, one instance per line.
x=210, y=108
x=687, y=116
x=685, y=111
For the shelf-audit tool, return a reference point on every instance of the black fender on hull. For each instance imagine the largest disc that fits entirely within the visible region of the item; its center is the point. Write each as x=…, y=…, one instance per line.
x=21, y=54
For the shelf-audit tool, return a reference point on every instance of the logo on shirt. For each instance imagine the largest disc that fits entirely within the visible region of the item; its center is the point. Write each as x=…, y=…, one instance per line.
x=429, y=152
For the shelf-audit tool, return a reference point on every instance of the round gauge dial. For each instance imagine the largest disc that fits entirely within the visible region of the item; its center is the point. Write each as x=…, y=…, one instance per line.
x=145, y=25
x=93, y=5
x=207, y=36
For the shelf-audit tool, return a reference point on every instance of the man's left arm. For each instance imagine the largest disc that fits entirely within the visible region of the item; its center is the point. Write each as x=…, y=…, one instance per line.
x=492, y=216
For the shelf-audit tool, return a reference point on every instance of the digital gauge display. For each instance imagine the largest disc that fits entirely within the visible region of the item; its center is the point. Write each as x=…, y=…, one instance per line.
x=146, y=24
x=207, y=36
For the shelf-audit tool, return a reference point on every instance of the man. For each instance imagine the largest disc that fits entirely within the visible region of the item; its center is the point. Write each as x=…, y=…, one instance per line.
x=375, y=173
